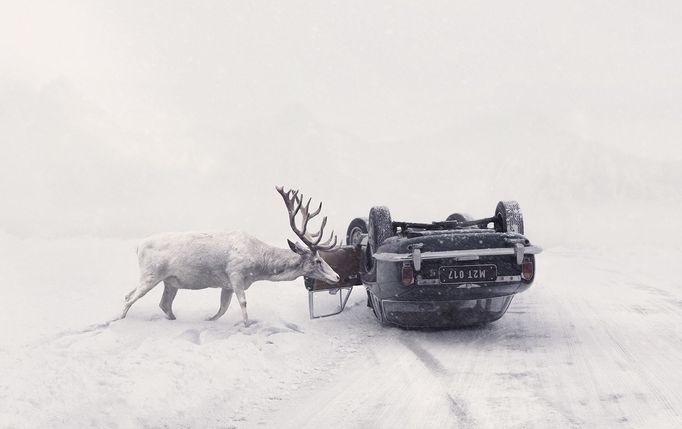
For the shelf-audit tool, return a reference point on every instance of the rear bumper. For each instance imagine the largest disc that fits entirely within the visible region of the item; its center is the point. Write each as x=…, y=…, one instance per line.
x=442, y=314
x=416, y=256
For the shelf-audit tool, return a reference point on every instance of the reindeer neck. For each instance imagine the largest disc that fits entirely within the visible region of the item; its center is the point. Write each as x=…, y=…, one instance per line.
x=280, y=265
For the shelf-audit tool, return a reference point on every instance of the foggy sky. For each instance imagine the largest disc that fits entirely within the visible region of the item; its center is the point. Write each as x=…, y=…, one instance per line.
x=128, y=117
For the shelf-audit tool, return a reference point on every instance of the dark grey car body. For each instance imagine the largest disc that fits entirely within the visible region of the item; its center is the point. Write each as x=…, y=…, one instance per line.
x=444, y=274
x=433, y=300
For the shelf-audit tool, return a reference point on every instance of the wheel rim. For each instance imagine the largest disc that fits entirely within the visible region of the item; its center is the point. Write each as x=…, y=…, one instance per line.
x=501, y=221
x=355, y=236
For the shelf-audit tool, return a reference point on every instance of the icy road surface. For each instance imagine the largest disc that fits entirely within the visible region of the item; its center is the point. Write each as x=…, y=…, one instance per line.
x=596, y=342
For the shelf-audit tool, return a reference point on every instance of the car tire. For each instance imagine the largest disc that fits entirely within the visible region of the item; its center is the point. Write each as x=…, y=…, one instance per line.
x=508, y=217
x=356, y=228
x=459, y=217
x=355, y=235
x=380, y=227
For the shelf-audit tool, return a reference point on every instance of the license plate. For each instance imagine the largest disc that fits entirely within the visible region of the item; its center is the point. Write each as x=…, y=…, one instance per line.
x=468, y=274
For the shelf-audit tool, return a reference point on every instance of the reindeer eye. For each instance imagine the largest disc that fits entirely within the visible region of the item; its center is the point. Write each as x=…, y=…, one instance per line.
x=318, y=262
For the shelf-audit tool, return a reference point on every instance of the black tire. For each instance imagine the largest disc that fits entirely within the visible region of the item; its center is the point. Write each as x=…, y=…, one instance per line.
x=356, y=228
x=508, y=217
x=459, y=217
x=380, y=227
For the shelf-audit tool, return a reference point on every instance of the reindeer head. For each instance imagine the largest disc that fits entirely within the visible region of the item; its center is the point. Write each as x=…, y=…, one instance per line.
x=313, y=265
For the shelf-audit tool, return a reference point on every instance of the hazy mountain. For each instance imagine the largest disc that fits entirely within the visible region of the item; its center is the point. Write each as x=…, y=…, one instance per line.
x=72, y=169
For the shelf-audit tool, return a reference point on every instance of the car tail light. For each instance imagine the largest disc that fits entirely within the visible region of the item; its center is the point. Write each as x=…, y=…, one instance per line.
x=527, y=269
x=408, y=274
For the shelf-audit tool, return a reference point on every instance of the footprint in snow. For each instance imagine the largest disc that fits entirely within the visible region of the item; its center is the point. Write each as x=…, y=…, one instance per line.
x=294, y=327
x=191, y=335
x=68, y=337
x=251, y=322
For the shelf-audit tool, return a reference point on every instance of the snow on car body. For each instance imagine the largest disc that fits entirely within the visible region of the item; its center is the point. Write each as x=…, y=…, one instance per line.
x=443, y=274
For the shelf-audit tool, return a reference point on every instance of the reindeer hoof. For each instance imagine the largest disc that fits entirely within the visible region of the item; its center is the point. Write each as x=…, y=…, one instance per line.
x=169, y=313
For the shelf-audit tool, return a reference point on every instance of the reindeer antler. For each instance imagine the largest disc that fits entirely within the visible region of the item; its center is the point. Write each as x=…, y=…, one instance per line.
x=294, y=203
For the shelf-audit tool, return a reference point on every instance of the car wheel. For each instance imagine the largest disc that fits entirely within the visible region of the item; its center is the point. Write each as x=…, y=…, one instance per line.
x=380, y=227
x=508, y=217
x=459, y=217
x=356, y=229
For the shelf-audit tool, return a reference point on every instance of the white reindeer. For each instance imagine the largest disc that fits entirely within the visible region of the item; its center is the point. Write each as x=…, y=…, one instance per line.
x=231, y=261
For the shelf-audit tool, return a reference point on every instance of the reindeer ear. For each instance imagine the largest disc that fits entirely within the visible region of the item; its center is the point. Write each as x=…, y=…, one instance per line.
x=296, y=248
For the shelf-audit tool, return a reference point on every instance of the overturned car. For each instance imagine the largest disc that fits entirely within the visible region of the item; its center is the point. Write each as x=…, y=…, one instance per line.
x=451, y=273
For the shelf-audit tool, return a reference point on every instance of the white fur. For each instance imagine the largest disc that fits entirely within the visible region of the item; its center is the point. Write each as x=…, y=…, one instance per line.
x=231, y=261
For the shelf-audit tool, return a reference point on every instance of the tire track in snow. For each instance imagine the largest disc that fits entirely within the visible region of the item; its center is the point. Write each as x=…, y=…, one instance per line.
x=635, y=363
x=388, y=384
x=441, y=375
x=613, y=344
x=429, y=361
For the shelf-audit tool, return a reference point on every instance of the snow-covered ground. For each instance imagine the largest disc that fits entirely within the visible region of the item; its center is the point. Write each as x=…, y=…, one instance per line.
x=596, y=342
x=125, y=119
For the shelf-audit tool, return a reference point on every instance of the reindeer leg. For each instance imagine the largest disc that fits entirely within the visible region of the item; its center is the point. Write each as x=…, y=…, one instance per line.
x=146, y=284
x=225, y=298
x=167, y=298
x=241, y=297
